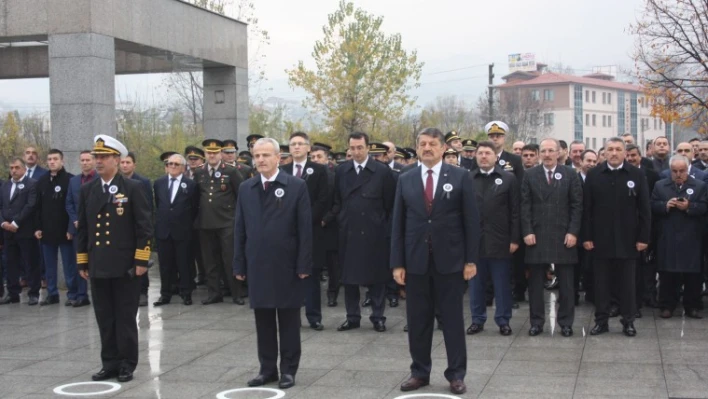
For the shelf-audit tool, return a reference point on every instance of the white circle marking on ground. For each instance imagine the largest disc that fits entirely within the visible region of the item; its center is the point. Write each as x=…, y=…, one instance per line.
x=427, y=395
x=61, y=390
x=278, y=393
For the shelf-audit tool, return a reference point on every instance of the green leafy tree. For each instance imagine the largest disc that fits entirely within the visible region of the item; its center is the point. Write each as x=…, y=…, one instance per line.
x=362, y=77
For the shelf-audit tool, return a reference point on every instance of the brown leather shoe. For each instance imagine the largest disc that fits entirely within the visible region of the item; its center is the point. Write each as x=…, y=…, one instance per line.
x=413, y=383
x=458, y=387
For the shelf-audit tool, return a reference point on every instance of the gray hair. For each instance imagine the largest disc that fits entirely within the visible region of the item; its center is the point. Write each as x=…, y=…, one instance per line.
x=615, y=140
x=271, y=141
x=558, y=144
x=680, y=158
x=181, y=158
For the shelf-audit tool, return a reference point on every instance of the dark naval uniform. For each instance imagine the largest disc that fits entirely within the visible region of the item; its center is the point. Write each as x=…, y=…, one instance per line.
x=113, y=238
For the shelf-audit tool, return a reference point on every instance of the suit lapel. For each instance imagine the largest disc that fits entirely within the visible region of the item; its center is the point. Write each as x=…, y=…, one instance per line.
x=362, y=178
x=418, y=188
x=442, y=180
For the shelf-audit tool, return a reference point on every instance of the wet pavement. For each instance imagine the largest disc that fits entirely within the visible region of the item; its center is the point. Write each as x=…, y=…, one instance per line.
x=201, y=351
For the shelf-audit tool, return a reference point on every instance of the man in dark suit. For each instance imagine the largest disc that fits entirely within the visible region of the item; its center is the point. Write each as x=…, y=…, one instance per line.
x=18, y=202
x=315, y=176
x=218, y=186
x=616, y=227
x=702, y=161
x=391, y=155
x=498, y=198
x=229, y=156
x=433, y=203
x=363, y=202
x=87, y=175
x=551, y=214
x=177, y=204
x=114, y=212
x=661, y=154
x=685, y=150
x=195, y=160
x=583, y=270
x=52, y=228
x=127, y=168
x=273, y=242
x=34, y=171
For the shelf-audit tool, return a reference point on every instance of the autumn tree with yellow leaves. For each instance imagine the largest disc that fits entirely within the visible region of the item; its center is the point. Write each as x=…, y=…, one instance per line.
x=671, y=56
x=362, y=77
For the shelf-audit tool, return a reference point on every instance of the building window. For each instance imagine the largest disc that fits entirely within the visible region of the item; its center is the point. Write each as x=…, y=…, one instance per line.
x=534, y=119
x=609, y=98
x=593, y=97
x=604, y=141
x=609, y=120
x=594, y=120
x=660, y=121
x=548, y=95
x=621, y=114
x=654, y=123
x=587, y=142
x=604, y=97
x=587, y=96
x=549, y=119
x=604, y=121
x=587, y=119
x=535, y=95
x=594, y=143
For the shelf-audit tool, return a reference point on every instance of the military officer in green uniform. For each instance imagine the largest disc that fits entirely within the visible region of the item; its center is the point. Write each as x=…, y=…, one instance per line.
x=113, y=249
x=218, y=187
x=229, y=157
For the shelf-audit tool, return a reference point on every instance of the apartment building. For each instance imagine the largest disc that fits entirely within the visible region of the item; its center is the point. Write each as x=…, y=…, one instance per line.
x=591, y=108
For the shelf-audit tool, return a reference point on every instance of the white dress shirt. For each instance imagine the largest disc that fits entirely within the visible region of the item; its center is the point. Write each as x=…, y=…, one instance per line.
x=271, y=179
x=363, y=165
x=302, y=167
x=619, y=167
x=436, y=174
x=175, y=186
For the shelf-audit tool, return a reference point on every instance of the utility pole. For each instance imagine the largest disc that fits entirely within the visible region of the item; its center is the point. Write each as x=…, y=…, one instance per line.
x=491, y=91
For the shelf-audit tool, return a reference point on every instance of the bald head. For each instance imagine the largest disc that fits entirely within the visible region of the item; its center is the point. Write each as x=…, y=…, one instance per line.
x=685, y=149
x=517, y=147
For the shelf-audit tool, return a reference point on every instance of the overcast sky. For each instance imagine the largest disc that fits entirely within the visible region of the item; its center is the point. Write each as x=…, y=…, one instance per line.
x=448, y=34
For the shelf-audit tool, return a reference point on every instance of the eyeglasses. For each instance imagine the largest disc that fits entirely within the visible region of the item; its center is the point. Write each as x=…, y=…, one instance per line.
x=173, y=164
x=298, y=144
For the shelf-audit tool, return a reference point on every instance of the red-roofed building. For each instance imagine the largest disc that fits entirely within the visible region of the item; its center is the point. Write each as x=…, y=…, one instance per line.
x=590, y=108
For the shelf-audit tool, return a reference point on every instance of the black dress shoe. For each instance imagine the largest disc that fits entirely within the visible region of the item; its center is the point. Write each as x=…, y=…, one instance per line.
x=475, y=328
x=9, y=299
x=125, y=375
x=693, y=313
x=566, y=331
x=414, y=383
x=187, y=300
x=104, y=375
x=379, y=326
x=638, y=314
x=162, y=301
x=440, y=325
x=629, y=329
x=505, y=330
x=212, y=300
x=50, y=300
x=651, y=303
x=331, y=302
x=405, y=328
x=81, y=302
x=535, y=330
x=458, y=387
x=317, y=326
x=366, y=303
x=393, y=302
x=239, y=301
x=515, y=305
x=262, y=380
x=600, y=329
x=348, y=325
x=614, y=311
x=69, y=302
x=143, y=300
x=200, y=282
x=519, y=297
x=286, y=381
x=33, y=300
x=489, y=302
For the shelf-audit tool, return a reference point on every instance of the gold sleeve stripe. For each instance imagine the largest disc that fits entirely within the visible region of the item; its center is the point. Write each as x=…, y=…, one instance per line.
x=82, y=258
x=142, y=254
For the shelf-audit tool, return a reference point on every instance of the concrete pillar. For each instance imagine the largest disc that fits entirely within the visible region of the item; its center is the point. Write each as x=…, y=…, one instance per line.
x=81, y=92
x=226, y=104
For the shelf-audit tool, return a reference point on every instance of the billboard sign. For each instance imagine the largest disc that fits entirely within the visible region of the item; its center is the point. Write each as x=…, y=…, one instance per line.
x=522, y=62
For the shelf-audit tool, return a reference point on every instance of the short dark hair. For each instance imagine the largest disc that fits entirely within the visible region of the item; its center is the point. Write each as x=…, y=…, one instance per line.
x=628, y=134
x=431, y=132
x=359, y=136
x=530, y=147
x=318, y=148
x=601, y=149
x=649, y=144
x=85, y=152
x=577, y=142
x=632, y=147
x=56, y=151
x=563, y=145
x=582, y=156
x=131, y=156
x=661, y=137
x=300, y=134
x=694, y=139
x=487, y=144
x=18, y=159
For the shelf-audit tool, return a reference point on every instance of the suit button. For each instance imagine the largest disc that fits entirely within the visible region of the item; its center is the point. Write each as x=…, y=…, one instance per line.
x=362, y=233
x=108, y=243
x=98, y=234
x=98, y=243
x=107, y=224
x=209, y=199
x=98, y=224
x=210, y=194
x=99, y=216
x=108, y=214
x=108, y=233
x=430, y=221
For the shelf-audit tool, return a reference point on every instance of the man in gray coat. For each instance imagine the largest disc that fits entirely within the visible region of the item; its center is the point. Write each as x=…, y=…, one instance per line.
x=551, y=214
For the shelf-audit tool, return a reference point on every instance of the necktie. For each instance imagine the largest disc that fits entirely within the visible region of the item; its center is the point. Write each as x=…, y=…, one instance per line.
x=14, y=190
x=105, y=188
x=29, y=173
x=359, y=169
x=429, y=191
x=172, y=183
x=550, y=177
x=211, y=172
x=266, y=186
x=299, y=171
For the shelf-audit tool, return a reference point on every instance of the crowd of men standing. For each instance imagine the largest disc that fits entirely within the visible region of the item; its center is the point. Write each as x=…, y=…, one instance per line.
x=421, y=224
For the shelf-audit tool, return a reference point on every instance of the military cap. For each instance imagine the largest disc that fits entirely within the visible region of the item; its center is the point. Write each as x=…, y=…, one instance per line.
x=212, y=145
x=377, y=148
x=244, y=154
x=451, y=136
x=496, y=127
x=450, y=151
x=166, y=155
x=229, y=146
x=107, y=145
x=401, y=152
x=252, y=138
x=192, y=151
x=411, y=152
x=340, y=157
x=321, y=146
x=284, y=150
x=469, y=145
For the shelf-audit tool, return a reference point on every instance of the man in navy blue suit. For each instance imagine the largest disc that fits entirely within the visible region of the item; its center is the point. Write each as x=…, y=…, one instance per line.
x=273, y=251
x=686, y=150
x=434, y=251
x=87, y=175
x=177, y=203
x=18, y=201
x=34, y=171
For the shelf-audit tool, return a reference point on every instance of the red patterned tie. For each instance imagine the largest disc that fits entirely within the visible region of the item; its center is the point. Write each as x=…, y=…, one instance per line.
x=429, y=191
x=550, y=177
x=299, y=171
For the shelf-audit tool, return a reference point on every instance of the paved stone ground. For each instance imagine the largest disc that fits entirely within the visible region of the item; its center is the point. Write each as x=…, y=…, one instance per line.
x=199, y=351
